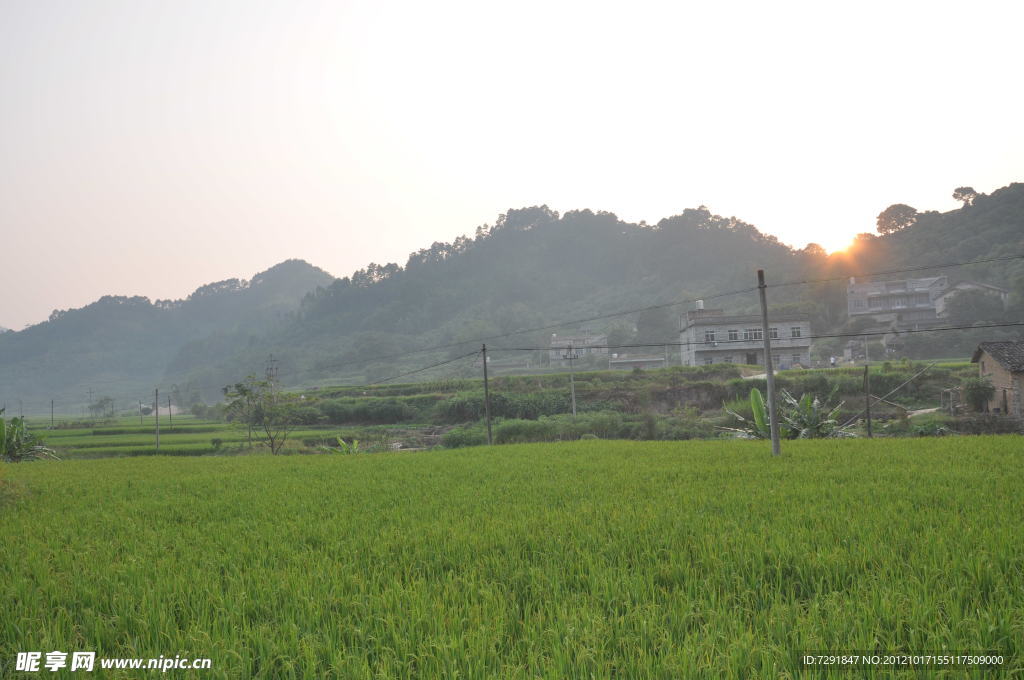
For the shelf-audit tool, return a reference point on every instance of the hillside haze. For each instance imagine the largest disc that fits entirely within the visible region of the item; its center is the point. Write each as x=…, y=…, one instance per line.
x=533, y=267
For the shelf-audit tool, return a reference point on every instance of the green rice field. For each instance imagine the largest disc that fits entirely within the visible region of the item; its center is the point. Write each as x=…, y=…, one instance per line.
x=591, y=559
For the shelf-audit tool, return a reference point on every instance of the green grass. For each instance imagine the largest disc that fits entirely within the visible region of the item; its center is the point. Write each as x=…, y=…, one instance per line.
x=591, y=559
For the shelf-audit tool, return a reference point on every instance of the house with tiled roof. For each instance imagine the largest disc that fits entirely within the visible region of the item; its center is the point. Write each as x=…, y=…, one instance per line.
x=1003, y=364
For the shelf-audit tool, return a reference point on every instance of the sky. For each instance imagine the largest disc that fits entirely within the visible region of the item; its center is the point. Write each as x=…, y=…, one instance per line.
x=148, y=147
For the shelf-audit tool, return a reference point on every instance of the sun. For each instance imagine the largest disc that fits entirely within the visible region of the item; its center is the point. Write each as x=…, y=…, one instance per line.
x=837, y=244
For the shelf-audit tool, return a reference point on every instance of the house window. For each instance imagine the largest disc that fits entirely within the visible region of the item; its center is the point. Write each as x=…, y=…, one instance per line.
x=753, y=334
x=795, y=358
x=875, y=303
x=734, y=335
x=794, y=332
x=859, y=304
x=899, y=301
x=708, y=361
x=709, y=336
x=773, y=333
x=922, y=299
x=727, y=359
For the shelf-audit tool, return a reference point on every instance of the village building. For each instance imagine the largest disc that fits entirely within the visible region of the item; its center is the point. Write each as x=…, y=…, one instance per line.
x=576, y=346
x=905, y=302
x=942, y=300
x=709, y=336
x=1003, y=364
x=627, y=362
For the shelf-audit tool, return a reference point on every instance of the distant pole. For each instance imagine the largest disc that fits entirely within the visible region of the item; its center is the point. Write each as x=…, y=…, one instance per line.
x=156, y=409
x=773, y=413
x=140, y=412
x=867, y=399
x=170, y=416
x=487, y=397
x=572, y=380
x=51, y=414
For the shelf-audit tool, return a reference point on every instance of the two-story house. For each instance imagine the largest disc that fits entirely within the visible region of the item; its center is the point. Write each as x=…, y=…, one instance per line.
x=906, y=301
x=708, y=336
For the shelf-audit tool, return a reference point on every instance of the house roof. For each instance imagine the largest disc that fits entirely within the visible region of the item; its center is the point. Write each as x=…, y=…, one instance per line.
x=744, y=319
x=959, y=287
x=1009, y=354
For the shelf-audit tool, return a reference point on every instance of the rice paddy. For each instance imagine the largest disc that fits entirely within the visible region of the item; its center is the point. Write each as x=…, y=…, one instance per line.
x=591, y=559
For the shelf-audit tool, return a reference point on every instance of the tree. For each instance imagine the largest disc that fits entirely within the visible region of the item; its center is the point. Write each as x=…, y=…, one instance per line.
x=815, y=250
x=896, y=217
x=657, y=325
x=965, y=194
x=104, y=406
x=978, y=392
x=265, y=409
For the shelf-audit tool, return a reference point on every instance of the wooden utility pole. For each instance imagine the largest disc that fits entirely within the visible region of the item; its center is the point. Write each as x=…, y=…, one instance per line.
x=170, y=416
x=773, y=412
x=156, y=409
x=140, y=412
x=867, y=399
x=487, y=396
x=572, y=380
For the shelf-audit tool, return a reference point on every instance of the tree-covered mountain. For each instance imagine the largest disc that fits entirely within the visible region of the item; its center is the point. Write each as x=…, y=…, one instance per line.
x=532, y=268
x=121, y=345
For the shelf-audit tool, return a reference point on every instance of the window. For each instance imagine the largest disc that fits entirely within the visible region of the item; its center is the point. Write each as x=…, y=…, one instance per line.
x=773, y=333
x=727, y=359
x=708, y=361
x=795, y=332
x=795, y=358
x=875, y=303
x=709, y=336
x=899, y=301
x=753, y=334
x=734, y=335
x=859, y=304
x=922, y=299
x=776, y=360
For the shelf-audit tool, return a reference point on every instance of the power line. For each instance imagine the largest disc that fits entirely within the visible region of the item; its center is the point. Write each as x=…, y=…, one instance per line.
x=1004, y=258
x=418, y=370
x=536, y=329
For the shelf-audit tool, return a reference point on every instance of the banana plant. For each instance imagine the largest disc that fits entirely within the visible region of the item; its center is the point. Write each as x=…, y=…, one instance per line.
x=343, y=447
x=17, y=444
x=803, y=418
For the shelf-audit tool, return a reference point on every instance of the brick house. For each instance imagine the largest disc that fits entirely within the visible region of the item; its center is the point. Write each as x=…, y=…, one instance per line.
x=1003, y=364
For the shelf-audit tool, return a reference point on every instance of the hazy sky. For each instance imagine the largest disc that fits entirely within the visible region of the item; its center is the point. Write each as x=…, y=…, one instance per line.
x=150, y=147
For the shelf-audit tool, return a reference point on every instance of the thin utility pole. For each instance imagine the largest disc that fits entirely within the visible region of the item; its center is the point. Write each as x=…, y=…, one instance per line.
x=867, y=399
x=170, y=416
x=572, y=380
x=156, y=409
x=487, y=396
x=140, y=412
x=51, y=414
x=773, y=413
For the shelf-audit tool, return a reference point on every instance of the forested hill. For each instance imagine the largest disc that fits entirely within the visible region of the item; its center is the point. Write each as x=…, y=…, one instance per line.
x=121, y=345
x=532, y=268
